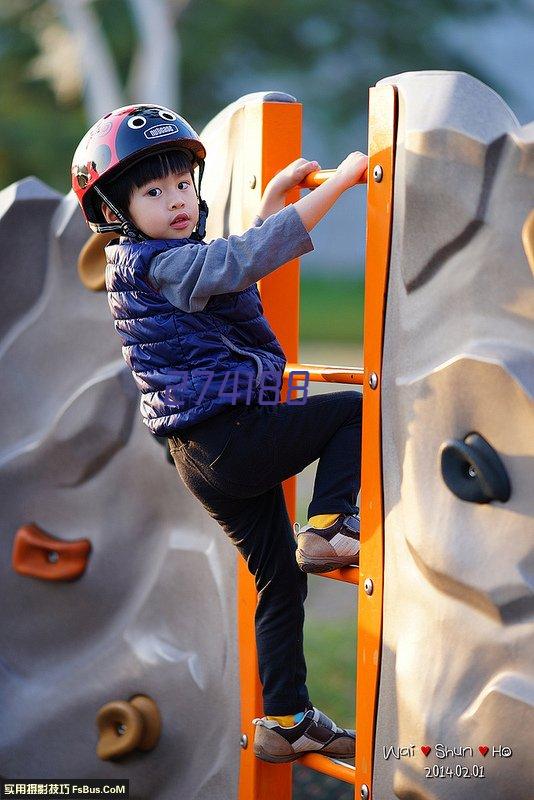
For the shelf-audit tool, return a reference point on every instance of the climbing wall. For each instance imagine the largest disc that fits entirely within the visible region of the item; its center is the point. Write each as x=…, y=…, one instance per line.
x=115, y=581
x=458, y=360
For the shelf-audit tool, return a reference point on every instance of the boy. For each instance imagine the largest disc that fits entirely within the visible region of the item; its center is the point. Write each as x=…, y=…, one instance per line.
x=190, y=319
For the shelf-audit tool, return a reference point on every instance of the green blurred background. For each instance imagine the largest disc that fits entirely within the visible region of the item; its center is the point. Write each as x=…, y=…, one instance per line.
x=225, y=47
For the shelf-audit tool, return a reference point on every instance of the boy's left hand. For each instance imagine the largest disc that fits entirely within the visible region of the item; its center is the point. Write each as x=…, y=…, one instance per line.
x=292, y=175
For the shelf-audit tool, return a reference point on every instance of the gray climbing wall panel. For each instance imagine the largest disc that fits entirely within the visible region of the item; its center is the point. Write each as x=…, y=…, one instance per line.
x=231, y=149
x=154, y=612
x=458, y=358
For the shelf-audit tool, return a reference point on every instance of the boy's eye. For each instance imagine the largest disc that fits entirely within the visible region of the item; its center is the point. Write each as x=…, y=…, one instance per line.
x=154, y=192
x=183, y=184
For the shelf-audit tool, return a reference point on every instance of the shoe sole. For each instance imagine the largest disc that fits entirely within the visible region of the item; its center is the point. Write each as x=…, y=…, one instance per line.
x=259, y=752
x=310, y=564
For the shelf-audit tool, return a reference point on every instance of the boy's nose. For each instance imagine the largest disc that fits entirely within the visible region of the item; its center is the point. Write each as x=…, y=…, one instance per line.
x=177, y=202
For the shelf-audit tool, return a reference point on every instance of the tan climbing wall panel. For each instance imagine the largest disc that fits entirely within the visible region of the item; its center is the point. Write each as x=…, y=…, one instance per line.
x=458, y=358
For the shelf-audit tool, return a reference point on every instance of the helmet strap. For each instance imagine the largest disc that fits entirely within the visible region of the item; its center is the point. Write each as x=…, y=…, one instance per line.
x=124, y=225
x=203, y=210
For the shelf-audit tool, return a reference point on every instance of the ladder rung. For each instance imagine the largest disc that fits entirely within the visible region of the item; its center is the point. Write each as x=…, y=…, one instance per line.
x=327, y=373
x=346, y=574
x=329, y=766
x=314, y=179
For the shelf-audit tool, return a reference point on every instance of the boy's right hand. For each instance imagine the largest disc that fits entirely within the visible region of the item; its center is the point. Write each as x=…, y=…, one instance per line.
x=314, y=205
x=352, y=168
x=292, y=175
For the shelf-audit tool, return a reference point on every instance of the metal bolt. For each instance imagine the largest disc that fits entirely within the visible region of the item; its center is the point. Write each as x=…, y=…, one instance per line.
x=252, y=182
x=121, y=729
x=472, y=472
x=244, y=741
x=378, y=173
x=364, y=791
x=53, y=556
x=368, y=586
x=373, y=380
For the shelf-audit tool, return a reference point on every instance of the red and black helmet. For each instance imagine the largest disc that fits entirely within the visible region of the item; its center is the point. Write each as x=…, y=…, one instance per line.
x=117, y=141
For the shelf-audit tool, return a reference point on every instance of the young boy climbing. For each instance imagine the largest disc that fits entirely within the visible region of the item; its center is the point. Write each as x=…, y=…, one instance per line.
x=191, y=323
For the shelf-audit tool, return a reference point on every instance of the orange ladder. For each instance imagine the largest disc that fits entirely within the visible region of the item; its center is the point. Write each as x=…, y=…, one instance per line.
x=274, y=140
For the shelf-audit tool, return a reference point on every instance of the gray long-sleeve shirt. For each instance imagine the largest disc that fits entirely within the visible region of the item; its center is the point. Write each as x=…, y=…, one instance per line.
x=189, y=275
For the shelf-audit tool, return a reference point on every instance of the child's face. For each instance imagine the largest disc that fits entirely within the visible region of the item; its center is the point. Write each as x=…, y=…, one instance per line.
x=165, y=208
x=155, y=207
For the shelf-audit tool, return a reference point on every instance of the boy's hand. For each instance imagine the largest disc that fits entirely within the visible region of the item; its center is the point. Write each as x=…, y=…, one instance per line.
x=292, y=175
x=314, y=205
x=351, y=169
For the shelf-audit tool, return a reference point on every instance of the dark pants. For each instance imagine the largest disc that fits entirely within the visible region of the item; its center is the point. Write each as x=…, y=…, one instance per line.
x=234, y=464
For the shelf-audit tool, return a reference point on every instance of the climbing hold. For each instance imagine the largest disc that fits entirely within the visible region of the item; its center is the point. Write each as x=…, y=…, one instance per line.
x=92, y=261
x=473, y=471
x=527, y=234
x=38, y=554
x=125, y=726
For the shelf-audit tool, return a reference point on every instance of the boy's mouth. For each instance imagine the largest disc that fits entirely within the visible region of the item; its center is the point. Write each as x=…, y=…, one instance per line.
x=180, y=221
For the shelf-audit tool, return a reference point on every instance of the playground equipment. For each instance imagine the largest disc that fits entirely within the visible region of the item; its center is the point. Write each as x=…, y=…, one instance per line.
x=151, y=609
x=445, y=583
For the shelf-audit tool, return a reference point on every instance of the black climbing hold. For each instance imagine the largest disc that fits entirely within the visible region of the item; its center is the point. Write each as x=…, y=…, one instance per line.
x=473, y=471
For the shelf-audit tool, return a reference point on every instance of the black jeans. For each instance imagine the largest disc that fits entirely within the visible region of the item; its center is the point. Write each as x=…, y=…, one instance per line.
x=234, y=463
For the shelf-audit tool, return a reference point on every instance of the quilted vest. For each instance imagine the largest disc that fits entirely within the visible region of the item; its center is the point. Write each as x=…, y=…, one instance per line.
x=189, y=366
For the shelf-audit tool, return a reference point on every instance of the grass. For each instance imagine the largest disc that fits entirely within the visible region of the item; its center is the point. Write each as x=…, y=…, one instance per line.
x=330, y=649
x=331, y=308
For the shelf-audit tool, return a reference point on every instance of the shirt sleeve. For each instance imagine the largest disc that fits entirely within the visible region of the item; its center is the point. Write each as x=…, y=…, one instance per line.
x=188, y=276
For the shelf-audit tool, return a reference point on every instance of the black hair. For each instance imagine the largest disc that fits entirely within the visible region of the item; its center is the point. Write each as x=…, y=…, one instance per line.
x=158, y=165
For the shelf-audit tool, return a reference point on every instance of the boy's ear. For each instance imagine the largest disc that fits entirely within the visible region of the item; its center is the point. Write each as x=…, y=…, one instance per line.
x=109, y=216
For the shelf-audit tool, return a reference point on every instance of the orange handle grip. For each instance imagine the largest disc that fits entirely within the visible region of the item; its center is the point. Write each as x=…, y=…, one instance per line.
x=314, y=179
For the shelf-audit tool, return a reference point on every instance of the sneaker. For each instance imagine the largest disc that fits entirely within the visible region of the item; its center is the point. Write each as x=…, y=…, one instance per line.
x=315, y=733
x=325, y=549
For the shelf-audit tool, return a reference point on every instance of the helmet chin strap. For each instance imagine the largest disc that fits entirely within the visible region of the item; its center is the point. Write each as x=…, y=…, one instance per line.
x=200, y=230
x=203, y=210
x=124, y=225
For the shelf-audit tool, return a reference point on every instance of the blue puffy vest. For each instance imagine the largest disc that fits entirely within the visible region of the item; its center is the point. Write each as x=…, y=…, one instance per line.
x=188, y=366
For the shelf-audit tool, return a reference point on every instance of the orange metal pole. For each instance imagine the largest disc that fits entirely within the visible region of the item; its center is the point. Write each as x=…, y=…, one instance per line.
x=327, y=374
x=345, y=574
x=329, y=766
x=382, y=124
x=273, y=140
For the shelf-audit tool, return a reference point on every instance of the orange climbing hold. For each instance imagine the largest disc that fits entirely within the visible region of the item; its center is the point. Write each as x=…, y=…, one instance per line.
x=38, y=554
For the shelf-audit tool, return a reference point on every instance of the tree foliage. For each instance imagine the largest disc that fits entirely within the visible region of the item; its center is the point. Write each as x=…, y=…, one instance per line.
x=327, y=53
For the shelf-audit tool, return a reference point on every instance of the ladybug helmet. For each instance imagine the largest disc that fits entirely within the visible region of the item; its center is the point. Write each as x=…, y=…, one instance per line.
x=116, y=142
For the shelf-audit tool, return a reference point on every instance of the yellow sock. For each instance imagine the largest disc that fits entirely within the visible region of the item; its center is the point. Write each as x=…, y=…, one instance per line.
x=323, y=520
x=289, y=720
